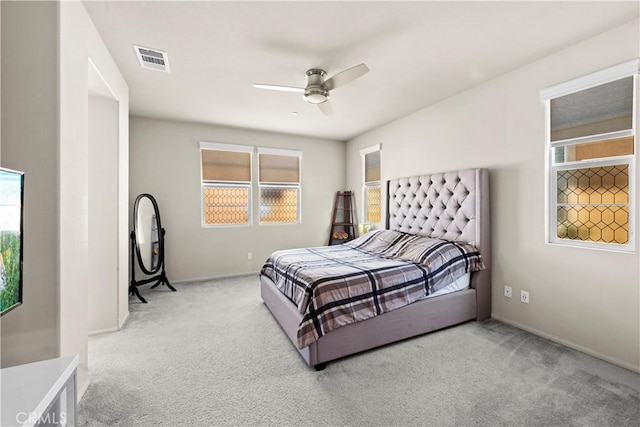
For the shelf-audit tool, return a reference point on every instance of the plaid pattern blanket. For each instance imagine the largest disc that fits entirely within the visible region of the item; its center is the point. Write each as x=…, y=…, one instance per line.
x=334, y=286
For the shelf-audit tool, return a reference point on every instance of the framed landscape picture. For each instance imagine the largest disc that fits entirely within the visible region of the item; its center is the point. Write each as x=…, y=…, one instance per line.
x=11, y=238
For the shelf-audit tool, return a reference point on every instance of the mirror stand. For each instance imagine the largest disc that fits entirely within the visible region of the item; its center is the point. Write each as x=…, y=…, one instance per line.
x=160, y=279
x=147, y=245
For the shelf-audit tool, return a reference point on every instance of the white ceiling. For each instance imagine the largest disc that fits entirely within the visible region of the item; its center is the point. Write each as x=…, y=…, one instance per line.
x=419, y=53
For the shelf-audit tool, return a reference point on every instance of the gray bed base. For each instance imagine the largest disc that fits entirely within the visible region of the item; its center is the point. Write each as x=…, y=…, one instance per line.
x=425, y=315
x=415, y=319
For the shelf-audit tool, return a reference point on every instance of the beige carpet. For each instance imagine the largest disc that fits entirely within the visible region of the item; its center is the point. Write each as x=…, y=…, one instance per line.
x=212, y=355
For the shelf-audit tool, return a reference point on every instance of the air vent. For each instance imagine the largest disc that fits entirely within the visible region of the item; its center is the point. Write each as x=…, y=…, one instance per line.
x=152, y=59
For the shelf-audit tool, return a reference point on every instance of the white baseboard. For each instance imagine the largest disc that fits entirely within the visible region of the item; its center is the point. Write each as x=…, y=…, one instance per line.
x=103, y=331
x=123, y=321
x=568, y=344
x=205, y=279
x=82, y=389
x=112, y=329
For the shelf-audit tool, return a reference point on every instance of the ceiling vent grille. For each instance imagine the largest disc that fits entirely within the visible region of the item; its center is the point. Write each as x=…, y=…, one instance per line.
x=153, y=59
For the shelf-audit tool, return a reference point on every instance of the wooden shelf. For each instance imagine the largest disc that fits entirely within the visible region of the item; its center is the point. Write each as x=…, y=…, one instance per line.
x=343, y=219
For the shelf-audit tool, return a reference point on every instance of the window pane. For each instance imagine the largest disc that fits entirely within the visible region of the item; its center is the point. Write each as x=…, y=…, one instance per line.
x=372, y=167
x=599, y=223
x=372, y=203
x=278, y=204
x=276, y=168
x=594, y=150
x=218, y=165
x=593, y=204
x=226, y=205
x=601, y=109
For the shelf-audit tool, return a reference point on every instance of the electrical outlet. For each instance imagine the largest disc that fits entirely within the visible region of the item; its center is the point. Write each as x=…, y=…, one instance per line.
x=507, y=291
x=524, y=297
x=249, y=255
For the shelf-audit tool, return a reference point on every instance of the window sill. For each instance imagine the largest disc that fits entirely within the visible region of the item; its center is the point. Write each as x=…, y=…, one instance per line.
x=625, y=249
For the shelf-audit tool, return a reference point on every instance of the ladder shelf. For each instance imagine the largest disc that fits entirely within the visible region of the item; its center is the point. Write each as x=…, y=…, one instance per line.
x=343, y=221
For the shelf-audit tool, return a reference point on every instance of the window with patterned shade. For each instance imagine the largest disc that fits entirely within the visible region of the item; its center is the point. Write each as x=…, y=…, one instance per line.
x=226, y=184
x=279, y=183
x=372, y=189
x=591, y=142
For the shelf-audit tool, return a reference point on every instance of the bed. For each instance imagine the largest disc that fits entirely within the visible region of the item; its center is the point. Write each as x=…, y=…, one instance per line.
x=451, y=207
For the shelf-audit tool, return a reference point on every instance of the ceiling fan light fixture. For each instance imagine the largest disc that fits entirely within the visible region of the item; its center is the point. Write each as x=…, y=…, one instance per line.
x=316, y=95
x=317, y=90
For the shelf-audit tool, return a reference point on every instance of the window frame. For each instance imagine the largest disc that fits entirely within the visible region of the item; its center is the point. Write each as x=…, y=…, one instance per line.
x=370, y=184
x=226, y=184
x=621, y=71
x=280, y=185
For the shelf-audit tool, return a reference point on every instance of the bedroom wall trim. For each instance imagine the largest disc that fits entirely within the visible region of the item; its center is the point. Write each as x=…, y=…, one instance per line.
x=103, y=331
x=371, y=149
x=280, y=151
x=226, y=147
x=567, y=343
x=590, y=80
x=209, y=278
x=121, y=324
x=123, y=321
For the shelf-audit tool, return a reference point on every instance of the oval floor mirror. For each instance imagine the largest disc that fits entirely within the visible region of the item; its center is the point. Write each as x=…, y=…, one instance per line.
x=147, y=245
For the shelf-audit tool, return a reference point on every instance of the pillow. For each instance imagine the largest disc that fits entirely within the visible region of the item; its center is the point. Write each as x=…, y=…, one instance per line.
x=432, y=253
x=378, y=241
x=436, y=254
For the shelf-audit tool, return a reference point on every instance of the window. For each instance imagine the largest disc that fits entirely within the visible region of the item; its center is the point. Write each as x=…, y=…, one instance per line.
x=591, y=160
x=279, y=184
x=226, y=184
x=371, y=191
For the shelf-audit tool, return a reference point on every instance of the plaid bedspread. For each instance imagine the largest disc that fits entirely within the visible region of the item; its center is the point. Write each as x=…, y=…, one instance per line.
x=334, y=286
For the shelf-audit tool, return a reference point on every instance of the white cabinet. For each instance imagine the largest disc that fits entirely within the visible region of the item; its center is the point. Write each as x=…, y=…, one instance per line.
x=41, y=393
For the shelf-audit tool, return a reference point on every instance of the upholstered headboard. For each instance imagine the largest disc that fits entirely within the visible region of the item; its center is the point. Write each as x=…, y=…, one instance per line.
x=451, y=206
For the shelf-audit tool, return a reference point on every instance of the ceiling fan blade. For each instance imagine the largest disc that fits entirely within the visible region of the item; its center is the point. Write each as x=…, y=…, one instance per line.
x=326, y=108
x=280, y=88
x=346, y=76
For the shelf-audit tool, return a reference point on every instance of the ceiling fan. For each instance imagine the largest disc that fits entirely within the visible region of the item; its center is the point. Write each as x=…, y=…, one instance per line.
x=317, y=89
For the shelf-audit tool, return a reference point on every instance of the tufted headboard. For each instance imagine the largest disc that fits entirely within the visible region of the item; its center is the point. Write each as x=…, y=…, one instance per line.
x=450, y=206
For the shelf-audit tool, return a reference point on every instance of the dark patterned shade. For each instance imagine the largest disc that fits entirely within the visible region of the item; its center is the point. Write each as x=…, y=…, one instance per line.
x=372, y=167
x=601, y=109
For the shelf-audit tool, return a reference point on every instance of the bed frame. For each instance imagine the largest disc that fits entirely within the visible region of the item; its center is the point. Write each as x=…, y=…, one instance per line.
x=452, y=206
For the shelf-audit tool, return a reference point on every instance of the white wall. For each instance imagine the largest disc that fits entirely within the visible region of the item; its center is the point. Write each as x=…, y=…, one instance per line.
x=584, y=298
x=80, y=43
x=46, y=135
x=103, y=215
x=30, y=144
x=165, y=162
